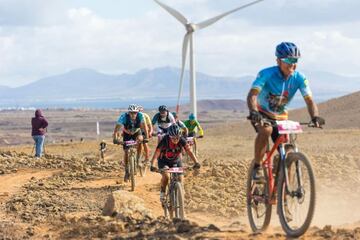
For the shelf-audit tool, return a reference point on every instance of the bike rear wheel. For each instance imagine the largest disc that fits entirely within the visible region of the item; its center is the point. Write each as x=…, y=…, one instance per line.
x=257, y=202
x=179, y=201
x=296, y=206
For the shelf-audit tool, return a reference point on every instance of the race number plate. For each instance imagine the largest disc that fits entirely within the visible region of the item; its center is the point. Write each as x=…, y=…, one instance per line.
x=176, y=170
x=287, y=127
x=130, y=143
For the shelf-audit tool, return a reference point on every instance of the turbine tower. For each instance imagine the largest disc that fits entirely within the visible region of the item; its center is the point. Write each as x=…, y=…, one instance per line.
x=189, y=40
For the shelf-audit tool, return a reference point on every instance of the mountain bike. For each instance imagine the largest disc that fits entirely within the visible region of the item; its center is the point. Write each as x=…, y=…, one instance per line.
x=133, y=163
x=173, y=203
x=289, y=183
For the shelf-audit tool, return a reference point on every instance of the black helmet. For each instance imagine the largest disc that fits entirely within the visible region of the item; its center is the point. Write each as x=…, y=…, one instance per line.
x=174, y=114
x=287, y=50
x=174, y=130
x=163, y=108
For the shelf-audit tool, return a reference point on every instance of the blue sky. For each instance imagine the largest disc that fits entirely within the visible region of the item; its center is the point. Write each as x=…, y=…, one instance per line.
x=40, y=38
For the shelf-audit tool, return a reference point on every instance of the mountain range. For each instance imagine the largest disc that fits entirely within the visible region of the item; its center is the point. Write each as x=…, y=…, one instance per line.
x=86, y=85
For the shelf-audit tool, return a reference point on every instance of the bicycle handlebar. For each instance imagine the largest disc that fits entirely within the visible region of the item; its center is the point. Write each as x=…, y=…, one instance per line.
x=173, y=170
x=273, y=123
x=129, y=143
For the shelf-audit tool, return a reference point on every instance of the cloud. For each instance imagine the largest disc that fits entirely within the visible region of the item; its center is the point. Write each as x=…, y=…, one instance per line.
x=33, y=46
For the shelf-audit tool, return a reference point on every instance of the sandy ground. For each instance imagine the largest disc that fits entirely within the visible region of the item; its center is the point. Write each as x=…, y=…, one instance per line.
x=61, y=196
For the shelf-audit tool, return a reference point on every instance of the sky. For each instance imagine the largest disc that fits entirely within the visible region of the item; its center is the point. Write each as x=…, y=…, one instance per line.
x=41, y=38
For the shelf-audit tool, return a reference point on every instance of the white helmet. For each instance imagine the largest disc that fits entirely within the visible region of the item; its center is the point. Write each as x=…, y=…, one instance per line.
x=133, y=108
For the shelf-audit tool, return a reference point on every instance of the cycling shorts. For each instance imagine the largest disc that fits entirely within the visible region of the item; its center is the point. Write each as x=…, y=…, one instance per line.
x=128, y=137
x=170, y=163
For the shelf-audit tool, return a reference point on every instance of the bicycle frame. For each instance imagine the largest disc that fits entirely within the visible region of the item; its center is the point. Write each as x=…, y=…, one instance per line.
x=280, y=144
x=283, y=185
x=268, y=164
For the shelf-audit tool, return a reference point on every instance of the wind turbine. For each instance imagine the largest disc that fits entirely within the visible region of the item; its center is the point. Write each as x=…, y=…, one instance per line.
x=189, y=40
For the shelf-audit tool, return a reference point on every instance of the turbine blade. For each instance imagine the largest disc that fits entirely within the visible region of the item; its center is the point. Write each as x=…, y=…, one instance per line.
x=184, y=55
x=173, y=12
x=213, y=20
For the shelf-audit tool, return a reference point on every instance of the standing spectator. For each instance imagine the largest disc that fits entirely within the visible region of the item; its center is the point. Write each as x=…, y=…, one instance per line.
x=39, y=125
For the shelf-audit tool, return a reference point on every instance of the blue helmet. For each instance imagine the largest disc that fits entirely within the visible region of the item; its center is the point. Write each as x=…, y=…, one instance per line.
x=287, y=50
x=192, y=116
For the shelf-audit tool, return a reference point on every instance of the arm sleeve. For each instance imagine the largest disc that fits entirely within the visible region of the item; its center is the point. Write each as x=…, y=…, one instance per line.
x=155, y=119
x=305, y=88
x=141, y=117
x=122, y=119
x=161, y=144
x=182, y=142
x=171, y=118
x=201, y=131
x=259, y=82
x=181, y=124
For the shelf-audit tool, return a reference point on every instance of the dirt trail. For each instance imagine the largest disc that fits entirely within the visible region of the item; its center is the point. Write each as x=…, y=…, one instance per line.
x=12, y=183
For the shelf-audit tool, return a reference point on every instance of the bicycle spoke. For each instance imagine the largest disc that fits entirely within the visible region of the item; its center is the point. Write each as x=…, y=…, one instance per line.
x=258, y=207
x=298, y=203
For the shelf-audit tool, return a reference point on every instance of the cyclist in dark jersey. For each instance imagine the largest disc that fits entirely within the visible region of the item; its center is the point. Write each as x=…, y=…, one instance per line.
x=131, y=122
x=168, y=154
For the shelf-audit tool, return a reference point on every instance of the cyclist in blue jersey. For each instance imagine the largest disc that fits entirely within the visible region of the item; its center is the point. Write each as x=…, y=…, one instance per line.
x=272, y=90
x=131, y=123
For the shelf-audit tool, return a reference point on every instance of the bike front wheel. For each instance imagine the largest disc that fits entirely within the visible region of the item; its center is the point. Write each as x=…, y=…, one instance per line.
x=132, y=171
x=296, y=199
x=178, y=206
x=257, y=202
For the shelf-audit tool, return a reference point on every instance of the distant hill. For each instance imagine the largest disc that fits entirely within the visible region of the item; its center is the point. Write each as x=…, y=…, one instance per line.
x=89, y=86
x=222, y=104
x=342, y=112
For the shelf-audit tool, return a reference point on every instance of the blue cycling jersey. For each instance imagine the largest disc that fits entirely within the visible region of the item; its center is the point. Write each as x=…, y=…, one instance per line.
x=275, y=92
x=129, y=124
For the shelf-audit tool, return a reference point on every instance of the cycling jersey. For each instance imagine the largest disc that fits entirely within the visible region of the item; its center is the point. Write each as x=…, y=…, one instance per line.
x=192, y=125
x=169, y=150
x=275, y=92
x=180, y=124
x=129, y=124
x=163, y=122
x=147, y=119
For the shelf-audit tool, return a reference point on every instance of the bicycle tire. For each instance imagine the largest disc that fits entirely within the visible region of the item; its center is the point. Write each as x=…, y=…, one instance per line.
x=194, y=148
x=165, y=205
x=252, y=203
x=140, y=169
x=288, y=225
x=132, y=171
x=171, y=202
x=179, y=201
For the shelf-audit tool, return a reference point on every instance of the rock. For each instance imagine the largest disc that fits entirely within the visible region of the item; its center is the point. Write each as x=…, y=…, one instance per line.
x=124, y=205
x=214, y=228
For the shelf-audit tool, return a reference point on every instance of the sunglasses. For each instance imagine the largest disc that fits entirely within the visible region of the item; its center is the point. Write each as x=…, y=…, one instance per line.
x=289, y=60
